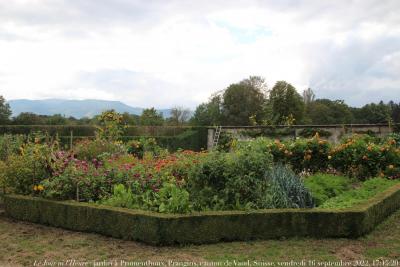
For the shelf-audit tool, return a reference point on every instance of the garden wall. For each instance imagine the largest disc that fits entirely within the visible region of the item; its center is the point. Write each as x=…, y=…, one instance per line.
x=205, y=227
x=332, y=133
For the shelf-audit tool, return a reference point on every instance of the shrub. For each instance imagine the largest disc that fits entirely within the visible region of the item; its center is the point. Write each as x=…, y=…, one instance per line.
x=286, y=190
x=367, y=190
x=326, y=186
x=232, y=180
x=81, y=180
x=25, y=170
x=139, y=147
x=360, y=157
x=10, y=145
x=302, y=154
x=91, y=149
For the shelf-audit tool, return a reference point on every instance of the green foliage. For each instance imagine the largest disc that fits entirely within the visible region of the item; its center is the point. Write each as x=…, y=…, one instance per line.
x=226, y=141
x=90, y=149
x=232, y=180
x=80, y=180
x=361, y=156
x=173, y=199
x=302, y=154
x=199, y=228
x=150, y=117
x=121, y=198
x=244, y=100
x=208, y=114
x=367, y=190
x=25, y=170
x=111, y=128
x=285, y=102
x=286, y=190
x=140, y=146
x=325, y=111
x=10, y=145
x=373, y=113
x=5, y=111
x=3, y=169
x=325, y=186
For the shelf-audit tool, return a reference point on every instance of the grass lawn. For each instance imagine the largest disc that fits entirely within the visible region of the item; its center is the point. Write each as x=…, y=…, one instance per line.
x=23, y=243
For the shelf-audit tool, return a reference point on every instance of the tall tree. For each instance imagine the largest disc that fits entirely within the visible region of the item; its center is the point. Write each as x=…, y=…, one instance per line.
x=372, y=113
x=286, y=102
x=179, y=116
x=325, y=111
x=151, y=117
x=209, y=113
x=5, y=111
x=243, y=102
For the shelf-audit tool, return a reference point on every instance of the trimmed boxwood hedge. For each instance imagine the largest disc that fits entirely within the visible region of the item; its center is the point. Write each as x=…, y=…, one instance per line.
x=204, y=227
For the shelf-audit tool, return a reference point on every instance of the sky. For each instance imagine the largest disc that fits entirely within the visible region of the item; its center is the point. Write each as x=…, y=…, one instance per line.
x=177, y=53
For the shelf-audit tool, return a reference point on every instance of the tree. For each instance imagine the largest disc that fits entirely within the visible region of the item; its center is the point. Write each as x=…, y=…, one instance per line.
x=179, y=116
x=395, y=110
x=5, y=111
x=372, y=113
x=151, y=117
x=130, y=119
x=325, y=111
x=209, y=113
x=243, y=102
x=29, y=118
x=285, y=102
x=56, y=119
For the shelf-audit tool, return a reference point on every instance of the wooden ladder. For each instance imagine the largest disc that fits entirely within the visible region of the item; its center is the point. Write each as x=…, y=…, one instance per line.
x=216, y=136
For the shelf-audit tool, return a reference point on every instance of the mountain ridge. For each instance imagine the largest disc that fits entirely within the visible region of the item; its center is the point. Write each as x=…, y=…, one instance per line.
x=75, y=108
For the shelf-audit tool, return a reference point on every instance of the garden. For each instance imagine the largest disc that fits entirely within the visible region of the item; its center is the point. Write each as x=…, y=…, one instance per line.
x=260, y=174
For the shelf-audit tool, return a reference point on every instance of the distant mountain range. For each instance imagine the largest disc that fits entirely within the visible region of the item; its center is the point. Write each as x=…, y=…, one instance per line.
x=75, y=108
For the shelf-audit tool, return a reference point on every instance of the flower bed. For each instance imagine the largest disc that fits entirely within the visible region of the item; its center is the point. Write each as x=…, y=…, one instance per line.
x=252, y=175
x=205, y=227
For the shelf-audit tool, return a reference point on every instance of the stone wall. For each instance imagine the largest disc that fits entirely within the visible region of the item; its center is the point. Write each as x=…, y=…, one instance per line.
x=333, y=133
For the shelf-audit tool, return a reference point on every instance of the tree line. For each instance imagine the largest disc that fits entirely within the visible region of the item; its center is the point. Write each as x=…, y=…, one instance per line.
x=248, y=102
x=251, y=102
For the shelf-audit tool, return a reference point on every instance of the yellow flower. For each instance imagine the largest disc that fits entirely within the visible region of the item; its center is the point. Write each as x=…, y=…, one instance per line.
x=35, y=188
x=40, y=187
x=391, y=166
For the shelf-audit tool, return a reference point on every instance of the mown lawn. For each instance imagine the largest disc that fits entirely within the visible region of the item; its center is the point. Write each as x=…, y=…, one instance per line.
x=23, y=243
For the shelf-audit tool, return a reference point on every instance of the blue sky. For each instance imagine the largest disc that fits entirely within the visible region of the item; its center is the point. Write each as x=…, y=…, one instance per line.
x=176, y=53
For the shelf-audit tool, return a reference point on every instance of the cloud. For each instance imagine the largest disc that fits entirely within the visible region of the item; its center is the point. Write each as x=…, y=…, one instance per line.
x=167, y=53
